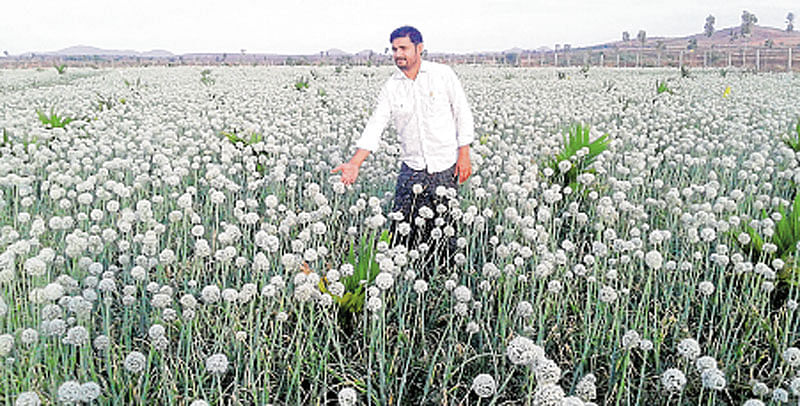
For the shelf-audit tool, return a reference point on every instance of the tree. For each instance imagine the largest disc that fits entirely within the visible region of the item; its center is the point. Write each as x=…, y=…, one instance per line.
x=641, y=36
x=692, y=44
x=709, y=27
x=512, y=58
x=748, y=20
x=790, y=22
x=626, y=36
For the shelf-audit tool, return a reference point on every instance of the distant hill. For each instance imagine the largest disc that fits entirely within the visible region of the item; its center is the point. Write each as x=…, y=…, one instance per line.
x=365, y=52
x=81, y=50
x=335, y=52
x=515, y=50
x=724, y=37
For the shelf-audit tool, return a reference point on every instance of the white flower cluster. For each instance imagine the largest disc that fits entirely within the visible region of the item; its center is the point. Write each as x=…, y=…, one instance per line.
x=217, y=364
x=71, y=392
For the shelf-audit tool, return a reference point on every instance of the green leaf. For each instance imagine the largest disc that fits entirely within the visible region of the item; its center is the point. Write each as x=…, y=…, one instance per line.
x=576, y=137
x=365, y=269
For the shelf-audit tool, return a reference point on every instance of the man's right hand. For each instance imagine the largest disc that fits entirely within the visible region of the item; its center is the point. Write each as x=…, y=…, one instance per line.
x=350, y=169
x=349, y=172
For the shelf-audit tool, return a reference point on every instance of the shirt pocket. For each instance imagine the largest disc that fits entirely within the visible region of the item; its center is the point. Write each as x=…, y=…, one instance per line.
x=401, y=113
x=436, y=103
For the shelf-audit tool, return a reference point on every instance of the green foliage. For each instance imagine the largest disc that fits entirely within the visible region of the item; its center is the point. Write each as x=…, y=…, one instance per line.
x=205, y=77
x=60, y=68
x=138, y=81
x=793, y=141
x=246, y=140
x=53, y=120
x=26, y=142
x=365, y=269
x=301, y=84
x=323, y=97
x=107, y=102
x=580, y=152
x=662, y=87
x=785, y=238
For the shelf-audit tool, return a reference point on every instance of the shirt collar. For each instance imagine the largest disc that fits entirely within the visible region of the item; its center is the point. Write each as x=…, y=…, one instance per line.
x=423, y=67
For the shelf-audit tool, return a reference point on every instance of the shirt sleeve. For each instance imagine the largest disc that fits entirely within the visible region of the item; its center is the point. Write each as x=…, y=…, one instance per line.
x=465, y=126
x=371, y=136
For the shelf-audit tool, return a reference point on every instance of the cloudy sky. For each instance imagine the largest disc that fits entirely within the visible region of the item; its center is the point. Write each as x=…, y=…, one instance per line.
x=310, y=26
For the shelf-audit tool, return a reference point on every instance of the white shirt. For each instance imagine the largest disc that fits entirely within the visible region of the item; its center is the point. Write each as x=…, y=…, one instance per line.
x=431, y=116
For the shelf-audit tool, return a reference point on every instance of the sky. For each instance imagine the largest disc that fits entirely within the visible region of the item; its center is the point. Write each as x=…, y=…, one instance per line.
x=311, y=26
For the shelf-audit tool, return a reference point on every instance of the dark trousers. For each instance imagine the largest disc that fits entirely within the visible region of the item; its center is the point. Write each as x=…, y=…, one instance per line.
x=409, y=203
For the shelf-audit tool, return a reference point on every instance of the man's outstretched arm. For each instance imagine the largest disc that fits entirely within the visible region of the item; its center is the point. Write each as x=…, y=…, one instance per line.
x=369, y=140
x=350, y=169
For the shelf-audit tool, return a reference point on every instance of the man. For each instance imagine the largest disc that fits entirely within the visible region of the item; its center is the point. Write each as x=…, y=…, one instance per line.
x=429, y=110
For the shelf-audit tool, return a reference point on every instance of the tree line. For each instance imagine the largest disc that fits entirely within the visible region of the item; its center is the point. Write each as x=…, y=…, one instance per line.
x=748, y=20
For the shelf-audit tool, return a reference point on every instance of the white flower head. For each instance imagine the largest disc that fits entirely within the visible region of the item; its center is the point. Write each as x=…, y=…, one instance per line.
x=523, y=351
x=654, y=260
x=462, y=294
x=348, y=397
x=217, y=364
x=69, y=392
x=384, y=280
x=689, y=348
x=706, y=288
x=135, y=362
x=791, y=356
x=547, y=372
x=6, y=344
x=28, y=399
x=673, y=380
x=484, y=385
x=713, y=379
x=705, y=362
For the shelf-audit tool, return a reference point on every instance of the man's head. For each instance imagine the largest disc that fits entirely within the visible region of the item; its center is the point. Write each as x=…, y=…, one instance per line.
x=406, y=47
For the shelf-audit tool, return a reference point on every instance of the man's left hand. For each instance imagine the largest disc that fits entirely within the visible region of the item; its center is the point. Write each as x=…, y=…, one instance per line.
x=463, y=165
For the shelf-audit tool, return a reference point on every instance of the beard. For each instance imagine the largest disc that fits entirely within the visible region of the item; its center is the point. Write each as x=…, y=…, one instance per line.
x=404, y=62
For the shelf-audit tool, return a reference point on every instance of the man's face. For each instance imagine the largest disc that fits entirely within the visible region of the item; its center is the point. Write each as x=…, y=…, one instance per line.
x=405, y=54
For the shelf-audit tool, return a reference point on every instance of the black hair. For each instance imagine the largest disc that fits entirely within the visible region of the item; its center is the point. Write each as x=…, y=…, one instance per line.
x=407, y=31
